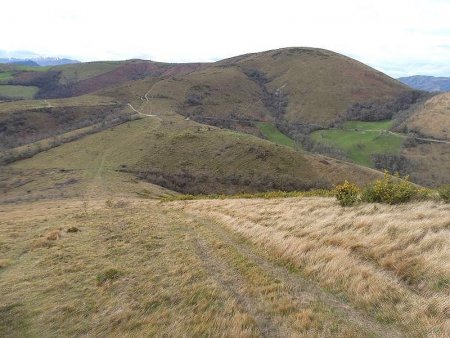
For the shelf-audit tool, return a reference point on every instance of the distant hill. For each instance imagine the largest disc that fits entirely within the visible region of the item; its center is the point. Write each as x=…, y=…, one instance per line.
x=38, y=61
x=19, y=62
x=427, y=83
x=53, y=61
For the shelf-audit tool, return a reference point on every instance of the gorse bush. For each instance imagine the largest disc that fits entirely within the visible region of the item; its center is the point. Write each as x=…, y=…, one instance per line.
x=391, y=189
x=347, y=193
x=444, y=193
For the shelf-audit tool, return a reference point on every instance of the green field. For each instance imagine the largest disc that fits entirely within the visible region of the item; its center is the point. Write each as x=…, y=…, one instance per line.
x=362, y=139
x=374, y=125
x=271, y=132
x=18, y=92
x=5, y=76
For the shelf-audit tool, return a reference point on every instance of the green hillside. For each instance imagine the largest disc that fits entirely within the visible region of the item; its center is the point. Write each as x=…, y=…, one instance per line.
x=18, y=92
x=271, y=132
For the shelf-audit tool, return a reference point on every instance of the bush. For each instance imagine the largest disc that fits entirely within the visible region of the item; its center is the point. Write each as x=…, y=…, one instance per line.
x=347, y=193
x=391, y=189
x=444, y=193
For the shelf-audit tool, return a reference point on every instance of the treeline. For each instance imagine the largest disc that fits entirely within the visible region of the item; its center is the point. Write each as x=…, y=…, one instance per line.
x=382, y=110
x=189, y=181
x=23, y=152
x=23, y=127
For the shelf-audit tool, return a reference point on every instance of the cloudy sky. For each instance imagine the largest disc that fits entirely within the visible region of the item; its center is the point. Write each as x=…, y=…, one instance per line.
x=399, y=37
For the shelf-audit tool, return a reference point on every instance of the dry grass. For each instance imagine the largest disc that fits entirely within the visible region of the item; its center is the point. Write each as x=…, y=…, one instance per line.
x=247, y=268
x=120, y=274
x=431, y=118
x=391, y=262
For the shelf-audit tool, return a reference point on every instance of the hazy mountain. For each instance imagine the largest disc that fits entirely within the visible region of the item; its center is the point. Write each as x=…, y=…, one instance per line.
x=53, y=61
x=20, y=62
x=427, y=83
x=28, y=58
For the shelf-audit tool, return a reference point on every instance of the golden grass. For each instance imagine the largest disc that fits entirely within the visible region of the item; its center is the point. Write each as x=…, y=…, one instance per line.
x=138, y=267
x=431, y=118
x=391, y=262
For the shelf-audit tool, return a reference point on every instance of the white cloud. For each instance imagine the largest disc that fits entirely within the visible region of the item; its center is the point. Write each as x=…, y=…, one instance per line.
x=400, y=37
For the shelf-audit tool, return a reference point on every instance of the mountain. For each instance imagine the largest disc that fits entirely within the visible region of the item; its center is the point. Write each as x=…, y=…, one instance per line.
x=53, y=61
x=19, y=62
x=427, y=83
x=38, y=61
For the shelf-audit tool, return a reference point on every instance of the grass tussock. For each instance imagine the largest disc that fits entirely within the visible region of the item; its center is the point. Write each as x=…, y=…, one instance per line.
x=108, y=276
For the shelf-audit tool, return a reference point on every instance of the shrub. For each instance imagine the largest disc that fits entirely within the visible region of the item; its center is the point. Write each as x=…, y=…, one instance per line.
x=444, y=193
x=347, y=193
x=391, y=189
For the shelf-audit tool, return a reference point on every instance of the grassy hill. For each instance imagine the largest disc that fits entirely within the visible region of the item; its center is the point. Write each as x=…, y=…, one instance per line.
x=298, y=84
x=180, y=155
x=272, y=95
x=429, y=160
x=319, y=84
x=432, y=118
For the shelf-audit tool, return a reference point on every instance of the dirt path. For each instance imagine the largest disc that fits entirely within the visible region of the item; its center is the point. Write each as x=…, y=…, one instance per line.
x=299, y=288
x=148, y=92
x=232, y=283
x=138, y=112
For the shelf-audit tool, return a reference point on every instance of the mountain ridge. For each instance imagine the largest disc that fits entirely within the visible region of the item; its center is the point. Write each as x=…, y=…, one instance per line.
x=427, y=83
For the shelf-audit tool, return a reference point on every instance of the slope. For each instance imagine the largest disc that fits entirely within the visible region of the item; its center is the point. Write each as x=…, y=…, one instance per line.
x=429, y=151
x=178, y=154
x=291, y=86
x=290, y=267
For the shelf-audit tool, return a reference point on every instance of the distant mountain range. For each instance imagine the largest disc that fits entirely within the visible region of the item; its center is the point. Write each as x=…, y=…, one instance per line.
x=27, y=58
x=427, y=83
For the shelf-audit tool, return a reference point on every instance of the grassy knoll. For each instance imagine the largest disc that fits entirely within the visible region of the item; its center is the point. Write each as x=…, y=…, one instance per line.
x=270, y=131
x=361, y=139
x=202, y=159
x=18, y=92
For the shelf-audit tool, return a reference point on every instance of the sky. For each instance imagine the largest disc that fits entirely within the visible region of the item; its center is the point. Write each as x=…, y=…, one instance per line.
x=398, y=37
